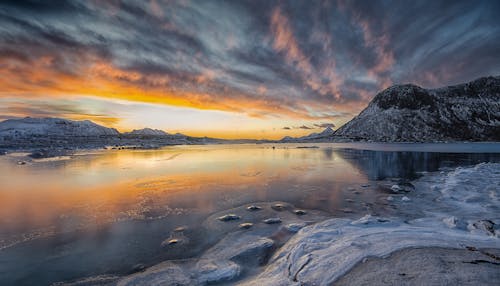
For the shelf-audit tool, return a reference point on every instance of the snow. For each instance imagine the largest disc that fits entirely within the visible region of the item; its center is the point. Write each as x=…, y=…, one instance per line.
x=52, y=127
x=147, y=132
x=461, y=208
x=323, y=134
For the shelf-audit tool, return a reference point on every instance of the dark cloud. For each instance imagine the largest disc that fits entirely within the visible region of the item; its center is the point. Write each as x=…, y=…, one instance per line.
x=304, y=127
x=324, y=125
x=286, y=128
x=316, y=59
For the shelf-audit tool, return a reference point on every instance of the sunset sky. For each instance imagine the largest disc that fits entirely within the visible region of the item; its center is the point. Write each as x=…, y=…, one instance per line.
x=233, y=69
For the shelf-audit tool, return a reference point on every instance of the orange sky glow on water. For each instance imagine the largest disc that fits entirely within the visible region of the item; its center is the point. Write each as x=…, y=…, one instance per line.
x=103, y=187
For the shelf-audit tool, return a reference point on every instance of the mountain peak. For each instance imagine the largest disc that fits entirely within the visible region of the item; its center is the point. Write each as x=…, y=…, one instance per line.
x=148, y=132
x=411, y=113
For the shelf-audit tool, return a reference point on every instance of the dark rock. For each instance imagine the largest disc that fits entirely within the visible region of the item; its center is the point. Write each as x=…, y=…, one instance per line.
x=278, y=207
x=171, y=241
x=299, y=212
x=246, y=225
x=180, y=229
x=254, y=208
x=229, y=217
x=138, y=268
x=273, y=220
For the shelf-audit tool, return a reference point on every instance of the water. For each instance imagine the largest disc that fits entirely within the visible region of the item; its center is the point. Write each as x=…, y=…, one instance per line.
x=106, y=211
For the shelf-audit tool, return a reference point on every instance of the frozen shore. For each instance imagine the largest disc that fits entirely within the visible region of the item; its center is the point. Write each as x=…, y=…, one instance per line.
x=451, y=216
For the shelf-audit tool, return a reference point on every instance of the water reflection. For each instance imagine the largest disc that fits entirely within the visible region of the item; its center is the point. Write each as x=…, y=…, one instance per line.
x=105, y=211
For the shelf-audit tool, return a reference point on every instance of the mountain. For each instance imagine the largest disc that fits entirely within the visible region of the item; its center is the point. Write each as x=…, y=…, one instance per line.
x=147, y=132
x=328, y=132
x=409, y=113
x=27, y=127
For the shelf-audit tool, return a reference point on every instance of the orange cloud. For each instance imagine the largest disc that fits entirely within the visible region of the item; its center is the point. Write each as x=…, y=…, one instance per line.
x=96, y=77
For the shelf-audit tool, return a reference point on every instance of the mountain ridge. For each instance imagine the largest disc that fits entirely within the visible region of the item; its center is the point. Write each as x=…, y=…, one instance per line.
x=409, y=113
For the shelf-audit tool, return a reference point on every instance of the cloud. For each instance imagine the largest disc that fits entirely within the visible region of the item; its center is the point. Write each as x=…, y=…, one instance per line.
x=304, y=127
x=264, y=59
x=324, y=125
x=286, y=128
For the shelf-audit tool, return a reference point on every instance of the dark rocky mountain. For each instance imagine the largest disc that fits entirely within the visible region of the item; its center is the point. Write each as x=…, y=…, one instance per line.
x=409, y=113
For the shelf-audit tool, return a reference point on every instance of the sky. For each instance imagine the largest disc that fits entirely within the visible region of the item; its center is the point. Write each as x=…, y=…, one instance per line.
x=233, y=69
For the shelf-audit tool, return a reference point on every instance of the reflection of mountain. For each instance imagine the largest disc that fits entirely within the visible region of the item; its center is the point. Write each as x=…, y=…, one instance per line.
x=378, y=165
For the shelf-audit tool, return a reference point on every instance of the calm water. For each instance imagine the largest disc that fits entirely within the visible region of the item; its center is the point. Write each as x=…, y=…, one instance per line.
x=106, y=211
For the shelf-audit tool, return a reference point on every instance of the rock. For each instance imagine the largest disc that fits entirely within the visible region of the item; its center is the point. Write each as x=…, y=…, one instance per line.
x=402, y=187
x=171, y=241
x=2, y=152
x=229, y=217
x=216, y=271
x=486, y=226
x=21, y=162
x=294, y=227
x=246, y=225
x=254, y=208
x=180, y=229
x=163, y=274
x=450, y=222
x=273, y=220
x=346, y=210
x=299, y=212
x=138, y=268
x=278, y=207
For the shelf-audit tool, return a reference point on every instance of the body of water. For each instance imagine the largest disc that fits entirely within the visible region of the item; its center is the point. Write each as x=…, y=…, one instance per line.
x=108, y=211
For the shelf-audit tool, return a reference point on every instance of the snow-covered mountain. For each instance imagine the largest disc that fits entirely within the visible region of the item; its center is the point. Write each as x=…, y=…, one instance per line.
x=27, y=127
x=147, y=132
x=465, y=112
x=313, y=136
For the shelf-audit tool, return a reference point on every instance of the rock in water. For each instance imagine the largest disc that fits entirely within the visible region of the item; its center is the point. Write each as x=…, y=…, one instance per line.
x=273, y=220
x=246, y=225
x=278, y=207
x=228, y=217
x=254, y=208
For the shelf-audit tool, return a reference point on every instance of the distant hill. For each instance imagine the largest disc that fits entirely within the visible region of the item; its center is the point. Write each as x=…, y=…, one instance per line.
x=147, y=132
x=465, y=112
x=328, y=132
x=27, y=127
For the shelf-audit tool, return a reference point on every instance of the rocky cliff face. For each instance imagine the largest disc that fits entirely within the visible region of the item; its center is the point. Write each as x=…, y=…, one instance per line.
x=408, y=113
